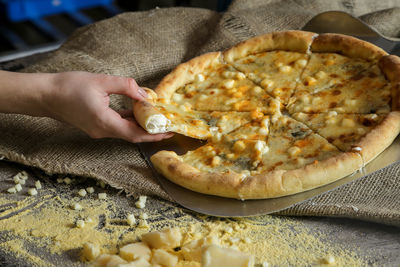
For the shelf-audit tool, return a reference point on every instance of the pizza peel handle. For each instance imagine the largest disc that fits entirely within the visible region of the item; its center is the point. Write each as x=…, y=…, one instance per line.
x=344, y=23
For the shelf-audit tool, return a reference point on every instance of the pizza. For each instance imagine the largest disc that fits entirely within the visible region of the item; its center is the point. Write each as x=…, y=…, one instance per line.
x=282, y=113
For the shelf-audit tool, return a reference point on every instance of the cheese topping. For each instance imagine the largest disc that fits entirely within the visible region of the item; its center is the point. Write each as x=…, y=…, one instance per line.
x=157, y=123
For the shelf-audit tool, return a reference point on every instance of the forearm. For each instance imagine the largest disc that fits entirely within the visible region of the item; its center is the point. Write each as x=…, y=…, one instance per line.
x=24, y=93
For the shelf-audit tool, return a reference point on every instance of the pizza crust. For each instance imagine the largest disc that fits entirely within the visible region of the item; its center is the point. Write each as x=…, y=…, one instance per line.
x=390, y=66
x=346, y=45
x=381, y=137
x=296, y=41
x=265, y=185
x=185, y=73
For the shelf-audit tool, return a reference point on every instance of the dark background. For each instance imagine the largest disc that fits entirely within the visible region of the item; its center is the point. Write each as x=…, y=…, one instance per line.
x=23, y=38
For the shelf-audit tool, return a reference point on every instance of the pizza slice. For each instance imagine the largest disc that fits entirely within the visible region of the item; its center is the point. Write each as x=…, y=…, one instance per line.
x=325, y=70
x=342, y=130
x=206, y=83
x=366, y=134
x=277, y=72
x=158, y=117
x=367, y=92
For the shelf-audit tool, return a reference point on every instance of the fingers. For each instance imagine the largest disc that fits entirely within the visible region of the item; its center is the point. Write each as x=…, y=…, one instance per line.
x=130, y=131
x=125, y=86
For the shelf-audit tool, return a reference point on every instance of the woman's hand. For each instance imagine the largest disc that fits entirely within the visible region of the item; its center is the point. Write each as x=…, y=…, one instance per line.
x=82, y=100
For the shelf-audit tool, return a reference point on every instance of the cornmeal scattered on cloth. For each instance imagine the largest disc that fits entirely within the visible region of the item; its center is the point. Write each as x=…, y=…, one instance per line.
x=48, y=222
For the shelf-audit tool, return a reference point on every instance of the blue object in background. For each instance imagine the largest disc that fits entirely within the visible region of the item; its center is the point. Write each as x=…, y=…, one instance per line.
x=19, y=10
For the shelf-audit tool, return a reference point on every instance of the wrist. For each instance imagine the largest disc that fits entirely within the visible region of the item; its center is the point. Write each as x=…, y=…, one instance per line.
x=25, y=93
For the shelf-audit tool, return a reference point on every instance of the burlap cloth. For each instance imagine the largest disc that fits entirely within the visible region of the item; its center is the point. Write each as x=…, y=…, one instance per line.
x=146, y=46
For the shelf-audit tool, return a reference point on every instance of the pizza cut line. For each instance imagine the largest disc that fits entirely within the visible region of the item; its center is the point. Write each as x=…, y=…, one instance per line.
x=283, y=113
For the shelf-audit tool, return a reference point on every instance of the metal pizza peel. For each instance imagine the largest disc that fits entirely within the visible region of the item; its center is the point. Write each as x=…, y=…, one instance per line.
x=333, y=21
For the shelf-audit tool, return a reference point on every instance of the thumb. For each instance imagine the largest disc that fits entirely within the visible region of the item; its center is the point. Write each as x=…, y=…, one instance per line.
x=124, y=86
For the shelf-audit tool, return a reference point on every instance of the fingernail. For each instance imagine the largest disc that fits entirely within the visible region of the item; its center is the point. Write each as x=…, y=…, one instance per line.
x=142, y=92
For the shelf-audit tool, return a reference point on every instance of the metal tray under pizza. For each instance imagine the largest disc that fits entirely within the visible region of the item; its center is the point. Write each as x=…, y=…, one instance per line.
x=225, y=207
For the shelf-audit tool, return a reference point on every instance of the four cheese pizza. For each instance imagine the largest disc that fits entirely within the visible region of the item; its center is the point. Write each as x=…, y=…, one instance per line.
x=283, y=113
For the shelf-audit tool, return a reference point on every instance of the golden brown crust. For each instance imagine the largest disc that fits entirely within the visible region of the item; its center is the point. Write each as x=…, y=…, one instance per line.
x=390, y=66
x=169, y=164
x=296, y=41
x=281, y=183
x=265, y=185
x=185, y=73
x=376, y=141
x=346, y=45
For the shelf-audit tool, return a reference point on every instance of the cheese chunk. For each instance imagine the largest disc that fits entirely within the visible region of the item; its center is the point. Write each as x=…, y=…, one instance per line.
x=164, y=258
x=157, y=123
x=167, y=238
x=90, y=251
x=107, y=260
x=216, y=256
x=135, y=251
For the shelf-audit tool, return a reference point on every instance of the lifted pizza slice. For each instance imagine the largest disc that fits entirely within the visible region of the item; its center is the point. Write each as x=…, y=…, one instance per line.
x=157, y=117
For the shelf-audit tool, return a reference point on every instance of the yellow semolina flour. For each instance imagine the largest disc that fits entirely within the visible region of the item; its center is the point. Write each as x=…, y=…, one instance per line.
x=59, y=222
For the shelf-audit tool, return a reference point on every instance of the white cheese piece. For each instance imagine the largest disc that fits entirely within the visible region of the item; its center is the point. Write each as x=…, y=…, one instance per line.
x=102, y=195
x=80, y=223
x=164, y=258
x=38, y=185
x=144, y=216
x=301, y=63
x=82, y=192
x=141, y=203
x=134, y=251
x=90, y=190
x=240, y=76
x=140, y=262
x=90, y=251
x=18, y=187
x=216, y=256
x=167, y=238
x=285, y=69
x=228, y=84
x=12, y=190
x=256, y=90
x=131, y=220
x=23, y=175
x=267, y=83
x=143, y=224
x=77, y=206
x=67, y=180
x=107, y=260
x=177, y=97
x=59, y=180
x=329, y=259
x=16, y=179
x=199, y=78
x=157, y=123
